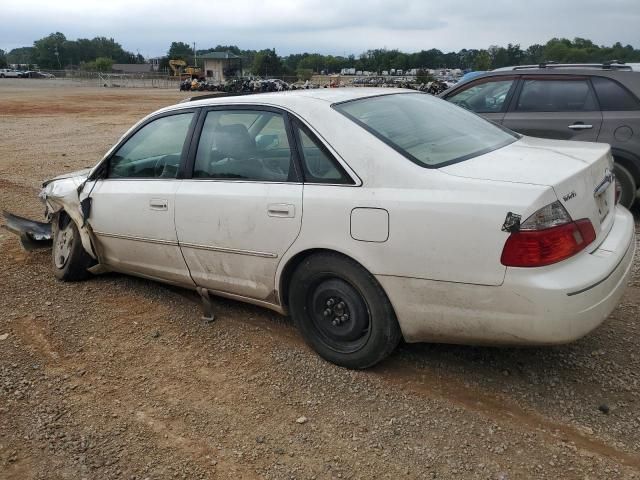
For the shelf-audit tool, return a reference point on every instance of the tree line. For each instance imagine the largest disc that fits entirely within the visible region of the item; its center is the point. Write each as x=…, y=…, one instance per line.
x=55, y=51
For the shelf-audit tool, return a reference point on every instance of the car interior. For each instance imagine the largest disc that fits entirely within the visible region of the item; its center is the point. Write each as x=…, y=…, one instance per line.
x=238, y=151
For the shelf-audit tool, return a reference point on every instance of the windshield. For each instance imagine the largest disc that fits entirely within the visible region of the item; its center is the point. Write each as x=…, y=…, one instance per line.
x=428, y=131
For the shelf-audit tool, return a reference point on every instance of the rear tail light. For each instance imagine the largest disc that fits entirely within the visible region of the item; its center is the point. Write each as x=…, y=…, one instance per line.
x=548, y=236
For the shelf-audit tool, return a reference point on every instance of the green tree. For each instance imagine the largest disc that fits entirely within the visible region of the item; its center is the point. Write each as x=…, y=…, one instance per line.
x=304, y=74
x=103, y=64
x=22, y=55
x=267, y=63
x=49, y=52
x=180, y=51
x=534, y=54
x=3, y=59
x=483, y=61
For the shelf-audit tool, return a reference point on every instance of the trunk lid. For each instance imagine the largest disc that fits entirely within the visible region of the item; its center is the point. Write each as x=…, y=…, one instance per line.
x=579, y=173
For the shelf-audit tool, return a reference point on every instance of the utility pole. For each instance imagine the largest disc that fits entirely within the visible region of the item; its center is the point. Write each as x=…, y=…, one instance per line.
x=195, y=55
x=57, y=54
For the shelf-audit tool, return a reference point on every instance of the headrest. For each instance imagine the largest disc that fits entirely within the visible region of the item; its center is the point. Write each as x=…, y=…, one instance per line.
x=234, y=141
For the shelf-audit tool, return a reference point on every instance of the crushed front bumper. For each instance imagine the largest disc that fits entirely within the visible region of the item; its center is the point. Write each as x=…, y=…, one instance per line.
x=32, y=234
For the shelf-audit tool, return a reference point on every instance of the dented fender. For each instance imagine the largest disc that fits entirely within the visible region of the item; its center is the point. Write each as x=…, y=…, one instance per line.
x=66, y=193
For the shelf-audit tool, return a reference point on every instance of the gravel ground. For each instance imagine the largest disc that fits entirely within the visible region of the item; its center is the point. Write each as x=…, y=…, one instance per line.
x=118, y=377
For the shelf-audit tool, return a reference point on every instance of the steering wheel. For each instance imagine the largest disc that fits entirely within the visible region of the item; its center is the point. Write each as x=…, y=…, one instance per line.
x=464, y=104
x=158, y=168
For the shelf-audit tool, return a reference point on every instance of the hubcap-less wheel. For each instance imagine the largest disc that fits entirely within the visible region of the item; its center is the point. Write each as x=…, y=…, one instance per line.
x=339, y=315
x=63, y=245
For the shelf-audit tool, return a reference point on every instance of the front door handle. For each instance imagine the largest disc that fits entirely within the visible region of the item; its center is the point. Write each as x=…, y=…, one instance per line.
x=580, y=126
x=158, y=204
x=283, y=210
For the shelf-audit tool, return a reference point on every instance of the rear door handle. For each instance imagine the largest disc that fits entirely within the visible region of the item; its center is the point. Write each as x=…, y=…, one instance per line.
x=283, y=210
x=580, y=126
x=158, y=204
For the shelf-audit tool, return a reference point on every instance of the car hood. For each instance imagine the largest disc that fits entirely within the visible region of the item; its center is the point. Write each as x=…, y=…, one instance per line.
x=78, y=177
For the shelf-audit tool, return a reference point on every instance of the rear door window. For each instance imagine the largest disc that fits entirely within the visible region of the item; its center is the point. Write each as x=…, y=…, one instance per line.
x=556, y=95
x=250, y=145
x=613, y=96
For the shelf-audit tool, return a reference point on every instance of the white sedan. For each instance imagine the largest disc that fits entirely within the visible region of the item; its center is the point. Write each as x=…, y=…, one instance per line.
x=368, y=215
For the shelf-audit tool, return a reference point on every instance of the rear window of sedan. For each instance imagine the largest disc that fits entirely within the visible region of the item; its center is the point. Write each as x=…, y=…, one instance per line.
x=428, y=131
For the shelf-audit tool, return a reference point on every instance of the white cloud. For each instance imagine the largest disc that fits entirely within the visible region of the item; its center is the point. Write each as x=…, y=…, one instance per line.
x=330, y=26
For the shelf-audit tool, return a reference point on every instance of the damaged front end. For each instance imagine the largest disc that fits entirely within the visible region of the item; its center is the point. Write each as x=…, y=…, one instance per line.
x=32, y=234
x=65, y=192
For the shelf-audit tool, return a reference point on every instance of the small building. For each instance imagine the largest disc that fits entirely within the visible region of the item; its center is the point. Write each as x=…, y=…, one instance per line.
x=131, y=68
x=220, y=66
x=155, y=63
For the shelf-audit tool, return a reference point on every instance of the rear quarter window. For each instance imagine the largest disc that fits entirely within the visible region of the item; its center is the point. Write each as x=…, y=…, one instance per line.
x=613, y=96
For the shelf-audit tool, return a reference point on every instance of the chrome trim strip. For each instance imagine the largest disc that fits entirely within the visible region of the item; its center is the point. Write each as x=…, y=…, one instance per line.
x=137, y=239
x=196, y=246
x=228, y=250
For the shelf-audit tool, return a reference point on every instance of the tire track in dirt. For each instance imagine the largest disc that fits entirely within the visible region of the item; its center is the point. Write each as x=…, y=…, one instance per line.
x=398, y=373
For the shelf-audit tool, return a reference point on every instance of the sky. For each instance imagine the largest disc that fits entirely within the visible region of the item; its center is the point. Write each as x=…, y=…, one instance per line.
x=326, y=26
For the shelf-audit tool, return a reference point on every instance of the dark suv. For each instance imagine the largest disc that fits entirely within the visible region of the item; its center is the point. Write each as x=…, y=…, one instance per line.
x=593, y=103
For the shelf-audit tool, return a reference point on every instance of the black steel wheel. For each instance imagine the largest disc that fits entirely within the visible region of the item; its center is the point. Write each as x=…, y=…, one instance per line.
x=342, y=312
x=339, y=314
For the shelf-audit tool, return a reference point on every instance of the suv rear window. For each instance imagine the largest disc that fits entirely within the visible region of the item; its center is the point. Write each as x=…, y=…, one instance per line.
x=428, y=131
x=614, y=97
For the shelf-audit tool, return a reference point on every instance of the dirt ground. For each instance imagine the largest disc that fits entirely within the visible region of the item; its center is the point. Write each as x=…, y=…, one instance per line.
x=118, y=377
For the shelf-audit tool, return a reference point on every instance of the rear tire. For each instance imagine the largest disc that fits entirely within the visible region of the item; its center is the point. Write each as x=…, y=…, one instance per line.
x=69, y=259
x=627, y=185
x=342, y=311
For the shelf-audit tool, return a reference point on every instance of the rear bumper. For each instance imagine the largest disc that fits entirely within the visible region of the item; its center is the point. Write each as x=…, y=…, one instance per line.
x=542, y=306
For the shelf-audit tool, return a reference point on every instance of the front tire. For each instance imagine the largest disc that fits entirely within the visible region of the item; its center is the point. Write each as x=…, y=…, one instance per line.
x=69, y=259
x=625, y=184
x=342, y=311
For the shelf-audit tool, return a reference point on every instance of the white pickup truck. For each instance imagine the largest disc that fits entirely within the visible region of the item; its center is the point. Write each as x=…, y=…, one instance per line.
x=8, y=73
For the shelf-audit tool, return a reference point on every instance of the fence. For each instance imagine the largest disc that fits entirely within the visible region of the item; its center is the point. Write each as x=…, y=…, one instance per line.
x=82, y=78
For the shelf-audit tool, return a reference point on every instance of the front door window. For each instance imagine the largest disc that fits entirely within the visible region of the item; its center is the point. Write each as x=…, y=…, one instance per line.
x=486, y=97
x=154, y=151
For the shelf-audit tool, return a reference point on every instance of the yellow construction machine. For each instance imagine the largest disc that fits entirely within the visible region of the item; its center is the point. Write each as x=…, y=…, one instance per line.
x=180, y=69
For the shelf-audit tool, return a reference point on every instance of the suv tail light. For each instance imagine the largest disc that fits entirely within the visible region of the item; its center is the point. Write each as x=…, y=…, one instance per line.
x=548, y=236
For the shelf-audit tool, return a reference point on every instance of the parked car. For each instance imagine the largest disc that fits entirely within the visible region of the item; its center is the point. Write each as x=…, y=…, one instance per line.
x=368, y=215
x=594, y=103
x=470, y=76
x=35, y=74
x=10, y=73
